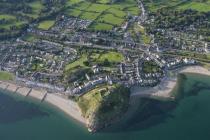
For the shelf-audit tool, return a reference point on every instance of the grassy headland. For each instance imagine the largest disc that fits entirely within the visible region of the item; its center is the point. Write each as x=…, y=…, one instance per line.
x=103, y=105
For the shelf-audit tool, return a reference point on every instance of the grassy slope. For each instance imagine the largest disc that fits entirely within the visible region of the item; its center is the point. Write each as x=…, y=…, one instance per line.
x=6, y=76
x=103, y=103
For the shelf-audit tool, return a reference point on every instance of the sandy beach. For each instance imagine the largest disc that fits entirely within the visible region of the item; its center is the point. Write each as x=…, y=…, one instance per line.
x=167, y=85
x=69, y=107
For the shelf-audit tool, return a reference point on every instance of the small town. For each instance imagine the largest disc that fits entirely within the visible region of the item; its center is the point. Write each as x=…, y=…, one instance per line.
x=93, y=52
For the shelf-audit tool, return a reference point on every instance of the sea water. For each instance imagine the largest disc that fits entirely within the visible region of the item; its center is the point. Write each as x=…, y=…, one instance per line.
x=186, y=119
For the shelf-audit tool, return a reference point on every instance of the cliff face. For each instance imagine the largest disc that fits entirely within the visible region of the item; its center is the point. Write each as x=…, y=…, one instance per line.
x=103, y=107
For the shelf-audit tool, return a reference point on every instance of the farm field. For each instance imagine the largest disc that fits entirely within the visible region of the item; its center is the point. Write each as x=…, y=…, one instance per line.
x=102, y=12
x=8, y=21
x=101, y=27
x=203, y=6
x=15, y=16
x=45, y=25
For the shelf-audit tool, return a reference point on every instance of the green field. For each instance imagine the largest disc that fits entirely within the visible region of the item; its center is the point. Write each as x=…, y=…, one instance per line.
x=46, y=25
x=15, y=16
x=101, y=12
x=111, y=57
x=116, y=12
x=72, y=2
x=78, y=63
x=101, y=27
x=36, y=6
x=73, y=12
x=6, y=76
x=97, y=7
x=202, y=7
x=82, y=6
x=89, y=15
x=111, y=19
x=153, y=6
x=7, y=17
x=104, y=1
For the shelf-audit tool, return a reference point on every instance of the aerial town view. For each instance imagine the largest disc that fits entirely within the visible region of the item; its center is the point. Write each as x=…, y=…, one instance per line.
x=104, y=69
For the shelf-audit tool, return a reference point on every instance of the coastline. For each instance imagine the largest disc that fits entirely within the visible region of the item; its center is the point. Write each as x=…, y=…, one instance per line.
x=162, y=90
x=67, y=106
x=167, y=85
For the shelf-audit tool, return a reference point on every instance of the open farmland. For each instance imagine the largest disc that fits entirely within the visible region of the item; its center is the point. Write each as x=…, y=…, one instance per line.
x=153, y=6
x=45, y=25
x=203, y=7
x=102, y=12
x=15, y=16
x=101, y=26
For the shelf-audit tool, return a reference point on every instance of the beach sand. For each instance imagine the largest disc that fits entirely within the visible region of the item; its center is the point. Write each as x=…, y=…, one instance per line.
x=3, y=85
x=68, y=106
x=167, y=85
x=38, y=94
x=12, y=87
x=23, y=91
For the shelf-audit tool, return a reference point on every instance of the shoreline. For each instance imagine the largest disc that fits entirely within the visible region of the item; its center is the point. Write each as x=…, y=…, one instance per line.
x=168, y=83
x=163, y=90
x=67, y=106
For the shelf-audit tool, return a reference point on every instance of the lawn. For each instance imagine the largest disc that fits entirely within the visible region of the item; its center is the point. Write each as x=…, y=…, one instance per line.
x=6, y=76
x=112, y=57
x=77, y=63
x=46, y=25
